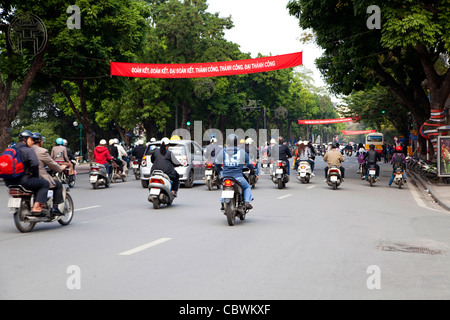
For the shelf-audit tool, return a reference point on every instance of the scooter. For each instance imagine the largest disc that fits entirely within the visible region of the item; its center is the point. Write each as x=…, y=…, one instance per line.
x=21, y=202
x=280, y=176
x=135, y=166
x=371, y=175
x=304, y=172
x=250, y=176
x=98, y=176
x=398, y=178
x=212, y=177
x=234, y=203
x=160, y=187
x=115, y=172
x=334, y=179
x=265, y=165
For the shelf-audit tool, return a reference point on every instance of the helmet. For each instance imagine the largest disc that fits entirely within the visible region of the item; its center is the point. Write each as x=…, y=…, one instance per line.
x=399, y=148
x=175, y=137
x=65, y=142
x=242, y=141
x=165, y=140
x=116, y=141
x=272, y=141
x=152, y=140
x=213, y=140
x=26, y=134
x=335, y=145
x=111, y=142
x=103, y=141
x=140, y=142
x=372, y=147
x=36, y=136
x=232, y=140
x=305, y=142
x=60, y=141
x=249, y=141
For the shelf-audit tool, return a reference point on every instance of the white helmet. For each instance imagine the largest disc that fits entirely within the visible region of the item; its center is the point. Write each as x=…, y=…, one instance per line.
x=152, y=140
x=103, y=141
x=140, y=142
x=165, y=140
x=64, y=142
x=213, y=140
x=111, y=142
x=116, y=141
x=249, y=141
x=273, y=141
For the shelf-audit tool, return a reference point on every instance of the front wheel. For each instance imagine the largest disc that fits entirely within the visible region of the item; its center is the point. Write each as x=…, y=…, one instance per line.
x=68, y=211
x=209, y=184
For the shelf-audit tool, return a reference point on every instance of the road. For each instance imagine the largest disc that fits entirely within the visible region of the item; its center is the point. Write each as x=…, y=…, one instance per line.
x=306, y=241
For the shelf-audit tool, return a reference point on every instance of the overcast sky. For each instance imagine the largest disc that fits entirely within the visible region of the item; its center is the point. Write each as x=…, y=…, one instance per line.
x=265, y=26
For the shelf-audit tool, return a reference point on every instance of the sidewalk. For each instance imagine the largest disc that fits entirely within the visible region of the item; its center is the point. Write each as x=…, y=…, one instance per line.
x=439, y=191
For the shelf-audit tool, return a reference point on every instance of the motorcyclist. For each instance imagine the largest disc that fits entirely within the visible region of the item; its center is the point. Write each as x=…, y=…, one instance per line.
x=334, y=158
x=30, y=180
x=303, y=153
x=72, y=158
x=139, y=150
x=114, y=152
x=398, y=159
x=164, y=160
x=102, y=155
x=284, y=153
x=59, y=154
x=230, y=162
x=123, y=155
x=46, y=161
x=371, y=157
x=252, y=152
x=212, y=150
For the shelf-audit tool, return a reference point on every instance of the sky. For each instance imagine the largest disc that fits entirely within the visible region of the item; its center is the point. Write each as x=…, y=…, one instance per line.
x=265, y=26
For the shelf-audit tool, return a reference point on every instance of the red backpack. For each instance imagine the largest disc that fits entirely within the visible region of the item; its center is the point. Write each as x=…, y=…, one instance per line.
x=11, y=165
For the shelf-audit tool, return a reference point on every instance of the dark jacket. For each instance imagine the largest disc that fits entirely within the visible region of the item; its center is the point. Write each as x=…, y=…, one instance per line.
x=30, y=164
x=372, y=156
x=166, y=163
x=283, y=152
x=138, y=152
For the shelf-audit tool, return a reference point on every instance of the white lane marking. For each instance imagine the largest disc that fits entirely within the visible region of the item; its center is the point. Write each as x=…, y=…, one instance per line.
x=310, y=187
x=144, y=247
x=87, y=208
x=285, y=196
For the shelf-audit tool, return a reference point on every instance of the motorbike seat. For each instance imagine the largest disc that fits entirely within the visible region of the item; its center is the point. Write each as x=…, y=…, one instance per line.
x=160, y=173
x=21, y=189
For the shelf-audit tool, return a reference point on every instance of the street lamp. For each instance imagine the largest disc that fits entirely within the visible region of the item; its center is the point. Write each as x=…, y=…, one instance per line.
x=80, y=126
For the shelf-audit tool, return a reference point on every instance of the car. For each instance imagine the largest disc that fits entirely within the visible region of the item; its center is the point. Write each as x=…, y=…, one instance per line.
x=188, y=153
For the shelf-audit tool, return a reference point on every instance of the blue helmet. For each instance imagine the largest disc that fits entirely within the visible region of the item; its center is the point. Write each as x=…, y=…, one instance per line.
x=60, y=141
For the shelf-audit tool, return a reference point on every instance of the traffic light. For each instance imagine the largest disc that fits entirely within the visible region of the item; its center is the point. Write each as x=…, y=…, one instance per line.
x=383, y=112
x=188, y=123
x=188, y=119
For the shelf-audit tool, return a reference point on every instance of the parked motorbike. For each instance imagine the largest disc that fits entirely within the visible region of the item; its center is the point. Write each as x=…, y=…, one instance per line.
x=398, y=178
x=212, y=177
x=160, y=187
x=233, y=200
x=135, y=166
x=371, y=175
x=280, y=176
x=98, y=176
x=304, y=172
x=21, y=202
x=334, y=179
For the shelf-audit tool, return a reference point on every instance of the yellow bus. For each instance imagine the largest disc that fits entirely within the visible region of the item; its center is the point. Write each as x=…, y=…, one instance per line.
x=377, y=139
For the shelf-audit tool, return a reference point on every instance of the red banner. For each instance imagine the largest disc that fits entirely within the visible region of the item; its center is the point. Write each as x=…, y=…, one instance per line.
x=326, y=121
x=202, y=70
x=355, y=132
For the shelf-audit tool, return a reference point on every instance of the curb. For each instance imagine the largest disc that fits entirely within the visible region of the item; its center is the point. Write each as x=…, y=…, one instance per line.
x=429, y=190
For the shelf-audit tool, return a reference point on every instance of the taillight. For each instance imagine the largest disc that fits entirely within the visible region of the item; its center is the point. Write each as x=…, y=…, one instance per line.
x=94, y=169
x=209, y=165
x=334, y=171
x=280, y=163
x=153, y=180
x=15, y=192
x=228, y=183
x=302, y=167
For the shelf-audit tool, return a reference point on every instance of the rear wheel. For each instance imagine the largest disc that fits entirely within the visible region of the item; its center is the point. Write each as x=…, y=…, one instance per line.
x=209, y=184
x=189, y=183
x=20, y=218
x=144, y=183
x=280, y=184
x=156, y=204
x=230, y=213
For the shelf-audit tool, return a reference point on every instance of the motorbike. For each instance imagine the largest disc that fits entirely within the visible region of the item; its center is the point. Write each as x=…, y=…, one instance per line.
x=115, y=172
x=233, y=200
x=371, y=175
x=304, y=172
x=21, y=202
x=69, y=179
x=135, y=166
x=280, y=176
x=398, y=177
x=265, y=165
x=160, y=187
x=212, y=177
x=334, y=179
x=348, y=153
x=250, y=176
x=98, y=176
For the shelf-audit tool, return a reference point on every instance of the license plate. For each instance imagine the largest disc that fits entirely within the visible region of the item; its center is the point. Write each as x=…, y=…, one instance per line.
x=228, y=194
x=155, y=191
x=279, y=171
x=135, y=166
x=93, y=179
x=399, y=176
x=14, y=203
x=208, y=172
x=264, y=165
x=333, y=178
x=372, y=172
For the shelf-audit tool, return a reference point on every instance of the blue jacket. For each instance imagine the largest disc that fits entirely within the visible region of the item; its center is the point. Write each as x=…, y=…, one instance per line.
x=233, y=160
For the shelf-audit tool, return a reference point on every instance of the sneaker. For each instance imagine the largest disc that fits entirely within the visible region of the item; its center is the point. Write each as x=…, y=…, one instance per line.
x=57, y=212
x=222, y=207
x=312, y=173
x=388, y=185
x=174, y=194
x=248, y=206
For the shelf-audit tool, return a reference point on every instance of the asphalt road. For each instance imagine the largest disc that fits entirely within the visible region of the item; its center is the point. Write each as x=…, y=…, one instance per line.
x=306, y=241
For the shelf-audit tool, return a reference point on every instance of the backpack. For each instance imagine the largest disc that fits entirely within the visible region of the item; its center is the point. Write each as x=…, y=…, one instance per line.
x=11, y=165
x=398, y=160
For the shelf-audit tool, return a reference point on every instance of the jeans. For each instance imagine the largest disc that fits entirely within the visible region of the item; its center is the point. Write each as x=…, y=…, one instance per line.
x=246, y=189
x=393, y=176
